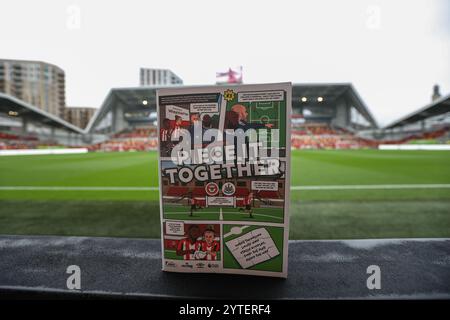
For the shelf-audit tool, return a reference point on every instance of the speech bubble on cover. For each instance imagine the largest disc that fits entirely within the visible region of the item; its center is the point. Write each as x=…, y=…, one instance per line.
x=253, y=248
x=265, y=185
x=172, y=111
x=260, y=96
x=205, y=107
x=175, y=228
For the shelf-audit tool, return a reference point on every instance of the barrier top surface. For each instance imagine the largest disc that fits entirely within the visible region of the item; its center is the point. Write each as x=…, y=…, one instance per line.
x=118, y=267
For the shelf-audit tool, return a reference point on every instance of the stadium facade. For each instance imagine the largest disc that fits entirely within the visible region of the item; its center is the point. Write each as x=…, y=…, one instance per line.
x=432, y=118
x=332, y=104
x=325, y=116
x=26, y=126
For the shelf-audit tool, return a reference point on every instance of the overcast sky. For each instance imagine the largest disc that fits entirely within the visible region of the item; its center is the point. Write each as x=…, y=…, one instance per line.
x=392, y=51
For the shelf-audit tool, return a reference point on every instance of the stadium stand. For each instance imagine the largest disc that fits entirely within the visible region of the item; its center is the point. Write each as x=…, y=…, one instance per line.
x=145, y=132
x=340, y=121
x=311, y=136
x=304, y=136
x=323, y=136
x=9, y=141
x=429, y=124
x=24, y=126
x=440, y=135
x=139, y=139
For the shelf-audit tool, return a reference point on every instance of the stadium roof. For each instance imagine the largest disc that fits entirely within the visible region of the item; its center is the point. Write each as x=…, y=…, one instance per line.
x=134, y=96
x=10, y=103
x=332, y=92
x=437, y=107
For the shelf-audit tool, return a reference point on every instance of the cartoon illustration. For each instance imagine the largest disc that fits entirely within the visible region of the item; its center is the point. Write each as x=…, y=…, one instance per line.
x=248, y=204
x=210, y=247
x=253, y=247
x=242, y=115
x=191, y=242
x=188, y=246
x=165, y=138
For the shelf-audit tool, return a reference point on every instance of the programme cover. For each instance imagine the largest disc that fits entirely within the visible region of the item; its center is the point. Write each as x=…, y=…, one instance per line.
x=224, y=177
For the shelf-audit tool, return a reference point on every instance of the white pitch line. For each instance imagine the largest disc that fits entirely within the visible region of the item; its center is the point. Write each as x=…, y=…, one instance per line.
x=293, y=188
x=61, y=188
x=373, y=186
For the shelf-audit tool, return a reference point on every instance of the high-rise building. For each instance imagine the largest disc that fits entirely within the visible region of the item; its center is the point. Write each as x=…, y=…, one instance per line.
x=37, y=83
x=79, y=116
x=158, y=77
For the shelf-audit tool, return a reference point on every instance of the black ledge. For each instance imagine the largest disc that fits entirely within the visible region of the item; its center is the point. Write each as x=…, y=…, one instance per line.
x=35, y=266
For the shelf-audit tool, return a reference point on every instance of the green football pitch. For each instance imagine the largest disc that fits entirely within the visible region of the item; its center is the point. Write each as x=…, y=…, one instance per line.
x=335, y=194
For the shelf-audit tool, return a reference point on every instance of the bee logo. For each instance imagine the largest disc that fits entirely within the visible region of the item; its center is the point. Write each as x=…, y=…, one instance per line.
x=229, y=95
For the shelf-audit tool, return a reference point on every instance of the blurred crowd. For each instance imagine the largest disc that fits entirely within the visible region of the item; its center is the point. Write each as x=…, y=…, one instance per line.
x=322, y=136
x=10, y=141
x=310, y=136
x=139, y=139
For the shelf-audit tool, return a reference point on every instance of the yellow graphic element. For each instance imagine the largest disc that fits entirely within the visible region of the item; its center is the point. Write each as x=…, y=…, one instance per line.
x=229, y=94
